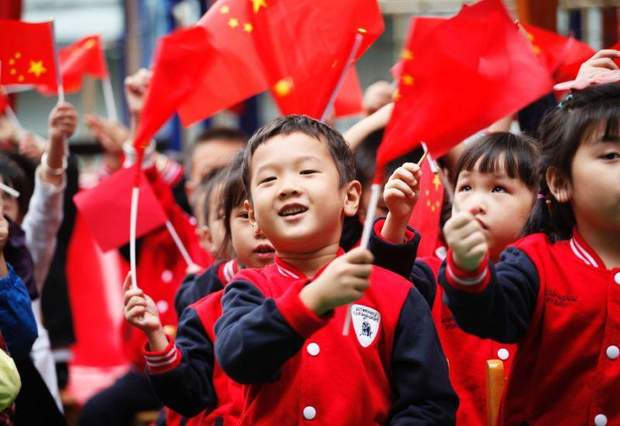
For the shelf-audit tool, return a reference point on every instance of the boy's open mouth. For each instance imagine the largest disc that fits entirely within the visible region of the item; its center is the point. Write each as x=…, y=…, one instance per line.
x=292, y=210
x=264, y=249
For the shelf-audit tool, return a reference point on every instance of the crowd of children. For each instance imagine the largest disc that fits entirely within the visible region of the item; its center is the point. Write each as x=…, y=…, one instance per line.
x=526, y=269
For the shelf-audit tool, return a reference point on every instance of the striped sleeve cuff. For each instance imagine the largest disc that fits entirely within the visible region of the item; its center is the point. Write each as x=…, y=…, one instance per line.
x=469, y=281
x=162, y=361
x=409, y=231
x=299, y=317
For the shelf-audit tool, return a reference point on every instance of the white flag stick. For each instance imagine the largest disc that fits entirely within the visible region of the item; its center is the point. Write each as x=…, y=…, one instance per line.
x=108, y=96
x=177, y=240
x=133, y=224
x=330, y=104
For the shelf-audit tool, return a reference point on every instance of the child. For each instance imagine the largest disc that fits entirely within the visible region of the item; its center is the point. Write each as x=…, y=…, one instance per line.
x=280, y=333
x=187, y=379
x=496, y=174
x=554, y=293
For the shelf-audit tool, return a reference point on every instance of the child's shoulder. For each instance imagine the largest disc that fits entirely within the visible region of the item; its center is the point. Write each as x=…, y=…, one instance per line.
x=388, y=282
x=539, y=245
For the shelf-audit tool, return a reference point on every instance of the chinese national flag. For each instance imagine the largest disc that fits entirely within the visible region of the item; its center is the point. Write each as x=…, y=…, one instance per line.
x=308, y=90
x=349, y=99
x=282, y=44
x=27, y=53
x=179, y=62
x=576, y=53
x=549, y=46
x=105, y=209
x=459, y=78
x=426, y=214
x=84, y=57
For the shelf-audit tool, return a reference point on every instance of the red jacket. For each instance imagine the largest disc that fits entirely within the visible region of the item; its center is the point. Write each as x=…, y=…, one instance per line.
x=297, y=366
x=467, y=354
x=562, y=305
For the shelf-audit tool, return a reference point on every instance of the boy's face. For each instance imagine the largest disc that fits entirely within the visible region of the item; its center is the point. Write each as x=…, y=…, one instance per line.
x=503, y=205
x=297, y=199
x=251, y=247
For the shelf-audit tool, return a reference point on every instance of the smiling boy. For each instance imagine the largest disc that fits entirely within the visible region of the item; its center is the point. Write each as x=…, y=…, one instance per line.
x=281, y=330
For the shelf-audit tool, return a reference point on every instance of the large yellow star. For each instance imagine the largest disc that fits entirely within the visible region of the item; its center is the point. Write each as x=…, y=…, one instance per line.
x=437, y=181
x=257, y=4
x=37, y=68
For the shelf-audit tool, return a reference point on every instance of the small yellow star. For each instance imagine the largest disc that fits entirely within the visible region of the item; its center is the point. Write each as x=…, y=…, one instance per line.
x=11, y=61
x=247, y=27
x=224, y=9
x=427, y=192
x=13, y=71
x=18, y=55
x=406, y=54
x=20, y=78
x=257, y=4
x=437, y=182
x=283, y=87
x=536, y=49
x=233, y=22
x=37, y=68
x=407, y=80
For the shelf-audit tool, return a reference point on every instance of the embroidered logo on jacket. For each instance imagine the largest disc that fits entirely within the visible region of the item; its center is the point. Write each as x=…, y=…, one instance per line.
x=365, y=323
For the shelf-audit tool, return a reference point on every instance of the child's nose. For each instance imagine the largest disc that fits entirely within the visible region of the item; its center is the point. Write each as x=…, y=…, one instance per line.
x=288, y=187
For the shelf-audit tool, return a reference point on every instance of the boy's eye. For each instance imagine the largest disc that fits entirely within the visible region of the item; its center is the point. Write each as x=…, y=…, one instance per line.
x=308, y=172
x=267, y=179
x=499, y=188
x=610, y=156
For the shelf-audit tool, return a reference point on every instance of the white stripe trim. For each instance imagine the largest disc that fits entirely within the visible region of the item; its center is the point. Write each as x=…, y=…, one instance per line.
x=156, y=358
x=467, y=281
x=229, y=270
x=576, y=252
x=286, y=273
x=163, y=363
x=585, y=253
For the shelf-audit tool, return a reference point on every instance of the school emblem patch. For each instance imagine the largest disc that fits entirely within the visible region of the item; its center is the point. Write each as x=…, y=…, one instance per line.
x=365, y=323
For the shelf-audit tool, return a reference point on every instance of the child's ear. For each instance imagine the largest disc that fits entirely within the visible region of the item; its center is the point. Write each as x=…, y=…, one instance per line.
x=559, y=185
x=353, y=193
x=206, y=239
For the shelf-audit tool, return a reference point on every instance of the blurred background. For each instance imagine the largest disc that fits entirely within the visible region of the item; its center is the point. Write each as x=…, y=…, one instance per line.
x=130, y=29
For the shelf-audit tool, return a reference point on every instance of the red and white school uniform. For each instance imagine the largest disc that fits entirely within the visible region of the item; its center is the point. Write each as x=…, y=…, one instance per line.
x=562, y=305
x=467, y=354
x=297, y=367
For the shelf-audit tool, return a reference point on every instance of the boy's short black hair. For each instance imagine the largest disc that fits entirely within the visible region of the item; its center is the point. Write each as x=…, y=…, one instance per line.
x=517, y=155
x=338, y=148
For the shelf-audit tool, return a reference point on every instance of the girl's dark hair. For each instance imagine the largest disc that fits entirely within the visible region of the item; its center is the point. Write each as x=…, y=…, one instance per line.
x=562, y=131
x=16, y=173
x=233, y=196
x=209, y=183
x=516, y=155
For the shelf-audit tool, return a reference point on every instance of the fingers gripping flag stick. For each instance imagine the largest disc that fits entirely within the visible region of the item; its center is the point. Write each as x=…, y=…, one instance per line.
x=375, y=193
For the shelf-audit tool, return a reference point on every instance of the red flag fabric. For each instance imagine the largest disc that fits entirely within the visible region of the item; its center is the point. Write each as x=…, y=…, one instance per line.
x=547, y=45
x=350, y=97
x=179, y=63
x=294, y=95
x=105, y=208
x=426, y=214
x=422, y=25
x=282, y=44
x=449, y=90
x=576, y=53
x=84, y=57
x=27, y=53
